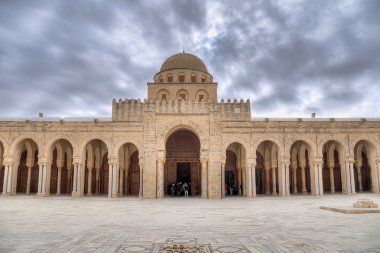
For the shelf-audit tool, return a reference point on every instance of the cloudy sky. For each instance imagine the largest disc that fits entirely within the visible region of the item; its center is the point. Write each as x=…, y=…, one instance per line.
x=290, y=58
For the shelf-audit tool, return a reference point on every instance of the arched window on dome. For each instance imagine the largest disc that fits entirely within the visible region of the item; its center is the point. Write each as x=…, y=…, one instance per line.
x=163, y=95
x=170, y=78
x=183, y=95
x=193, y=77
x=160, y=79
x=181, y=77
x=201, y=95
x=203, y=79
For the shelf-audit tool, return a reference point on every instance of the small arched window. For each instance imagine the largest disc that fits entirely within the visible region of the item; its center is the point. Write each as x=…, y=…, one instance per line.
x=170, y=78
x=193, y=78
x=160, y=79
x=181, y=77
x=203, y=79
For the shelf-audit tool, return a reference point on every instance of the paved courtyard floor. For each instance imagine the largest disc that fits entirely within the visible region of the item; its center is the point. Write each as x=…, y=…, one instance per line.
x=262, y=224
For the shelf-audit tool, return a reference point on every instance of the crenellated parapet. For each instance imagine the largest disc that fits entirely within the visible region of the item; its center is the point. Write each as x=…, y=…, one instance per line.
x=133, y=109
x=235, y=111
x=127, y=110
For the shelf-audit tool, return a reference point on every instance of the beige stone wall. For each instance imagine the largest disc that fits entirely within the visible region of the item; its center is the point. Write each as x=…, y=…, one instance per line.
x=215, y=129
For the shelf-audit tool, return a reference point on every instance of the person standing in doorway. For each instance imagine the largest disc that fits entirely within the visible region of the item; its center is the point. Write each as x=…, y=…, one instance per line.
x=185, y=188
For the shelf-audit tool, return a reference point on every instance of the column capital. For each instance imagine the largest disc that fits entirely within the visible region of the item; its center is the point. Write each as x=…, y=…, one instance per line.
x=266, y=165
x=204, y=159
x=161, y=160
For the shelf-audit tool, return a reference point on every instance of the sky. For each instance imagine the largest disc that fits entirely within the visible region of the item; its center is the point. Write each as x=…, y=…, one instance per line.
x=290, y=58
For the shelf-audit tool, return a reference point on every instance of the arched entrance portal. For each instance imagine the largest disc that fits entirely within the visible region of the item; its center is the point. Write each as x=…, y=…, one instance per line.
x=182, y=161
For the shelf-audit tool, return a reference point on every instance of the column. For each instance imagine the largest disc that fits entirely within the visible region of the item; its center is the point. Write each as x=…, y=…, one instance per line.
x=97, y=178
x=204, y=179
x=5, y=181
x=352, y=177
x=287, y=180
x=332, y=183
x=40, y=179
x=274, y=181
x=89, y=182
x=320, y=178
x=360, y=178
x=115, y=180
x=303, y=178
x=160, y=178
x=267, y=185
x=28, y=179
x=347, y=178
x=253, y=175
x=59, y=180
x=75, y=177
x=295, y=190
x=141, y=194
x=121, y=181
x=249, y=181
x=239, y=171
x=69, y=183
x=223, y=176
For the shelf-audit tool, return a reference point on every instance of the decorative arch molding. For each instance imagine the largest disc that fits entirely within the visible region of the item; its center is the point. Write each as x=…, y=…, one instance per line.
x=167, y=129
x=127, y=140
x=17, y=141
x=87, y=139
x=370, y=140
x=273, y=139
x=228, y=141
x=310, y=144
x=341, y=141
x=52, y=140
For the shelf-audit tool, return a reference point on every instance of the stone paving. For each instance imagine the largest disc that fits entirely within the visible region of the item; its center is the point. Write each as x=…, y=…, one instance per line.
x=262, y=224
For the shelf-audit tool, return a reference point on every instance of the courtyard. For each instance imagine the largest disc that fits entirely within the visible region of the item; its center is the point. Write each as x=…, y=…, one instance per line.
x=235, y=224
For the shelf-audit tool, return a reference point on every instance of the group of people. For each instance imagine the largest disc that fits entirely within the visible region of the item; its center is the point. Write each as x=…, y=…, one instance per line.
x=179, y=189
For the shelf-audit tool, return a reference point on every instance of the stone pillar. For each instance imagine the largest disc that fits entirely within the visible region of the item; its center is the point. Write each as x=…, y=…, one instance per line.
x=59, y=180
x=160, y=178
x=360, y=179
x=248, y=182
x=28, y=180
x=141, y=194
x=267, y=184
x=332, y=183
x=121, y=181
x=89, y=182
x=40, y=179
x=7, y=182
x=287, y=179
x=69, y=179
x=347, y=178
x=115, y=180
x=97, y=180
x=77, y=191
x=239, y=171
x=204, y=179
x=318, y=180
x=223, y=176
x=274, y=181
x=303, y=178
x=295, y=190
x=253, y=174
x=352, y=177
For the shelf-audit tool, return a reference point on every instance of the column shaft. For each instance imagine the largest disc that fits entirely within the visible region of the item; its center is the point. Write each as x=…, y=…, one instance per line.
x=89, y=181
x=303, y=178
x=115, y=185
x=267, y=185
x=352, y=178
x=160, y=179
x=28, y=180
x=332, y=183
x=5, y=180
x=204, y=179
x=274, y=190
x=295, y=190
x=59, y=181
x=141, y=182
x=249, y=182
x=253, y=175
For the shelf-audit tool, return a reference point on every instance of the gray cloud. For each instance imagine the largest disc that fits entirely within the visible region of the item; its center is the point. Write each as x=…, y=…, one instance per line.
x=69, y=58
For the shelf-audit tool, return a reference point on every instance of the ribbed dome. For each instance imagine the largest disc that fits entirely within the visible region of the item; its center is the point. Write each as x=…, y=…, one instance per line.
x=183, y=61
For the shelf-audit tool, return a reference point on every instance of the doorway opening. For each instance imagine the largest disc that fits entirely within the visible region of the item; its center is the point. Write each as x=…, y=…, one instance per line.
x=184, y=173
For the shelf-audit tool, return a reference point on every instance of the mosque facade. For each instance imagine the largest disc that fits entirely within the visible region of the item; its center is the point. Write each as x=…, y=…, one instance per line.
x=182, y=133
